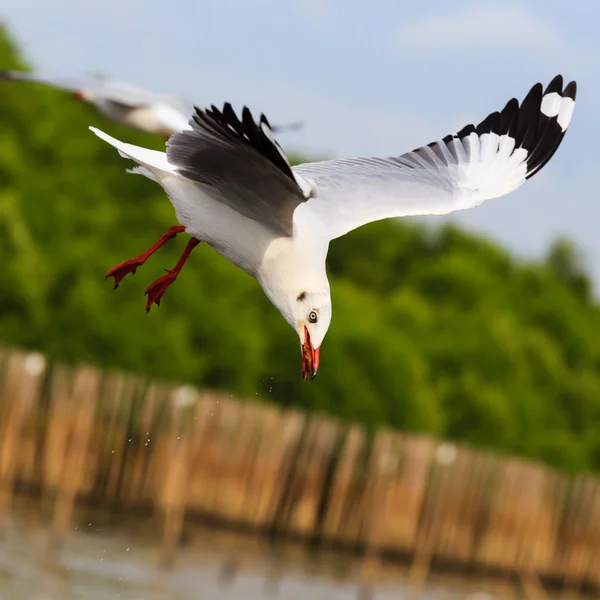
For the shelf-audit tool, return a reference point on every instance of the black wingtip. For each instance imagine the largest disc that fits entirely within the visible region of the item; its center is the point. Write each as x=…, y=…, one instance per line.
x=489, y=124
x=570, y=90
x=508, y=117
x=537, y=124
x=263, y=119
x=550, y=125
x=466, y=131
x=529, y=112
x=556, y=85
x=226, y=124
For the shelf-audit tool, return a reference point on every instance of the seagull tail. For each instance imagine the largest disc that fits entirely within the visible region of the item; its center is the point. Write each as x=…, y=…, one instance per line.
x=152, y=163
x=142, y=171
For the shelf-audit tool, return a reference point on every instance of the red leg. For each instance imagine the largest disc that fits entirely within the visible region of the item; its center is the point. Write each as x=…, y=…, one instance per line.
x=157, y=288
x=131, y=265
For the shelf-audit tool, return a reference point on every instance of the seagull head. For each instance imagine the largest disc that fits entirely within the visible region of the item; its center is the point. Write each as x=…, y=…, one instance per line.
x=294, y=278
x=309, y=313
x=311, y=316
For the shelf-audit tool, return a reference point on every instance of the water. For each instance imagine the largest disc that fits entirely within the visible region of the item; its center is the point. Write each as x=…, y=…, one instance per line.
x=102, y=561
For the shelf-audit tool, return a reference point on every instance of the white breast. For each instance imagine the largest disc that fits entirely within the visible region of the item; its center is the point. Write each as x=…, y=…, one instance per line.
x=240, y=240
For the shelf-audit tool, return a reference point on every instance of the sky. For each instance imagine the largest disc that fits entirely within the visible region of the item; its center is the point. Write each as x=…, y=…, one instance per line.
x=373, y=78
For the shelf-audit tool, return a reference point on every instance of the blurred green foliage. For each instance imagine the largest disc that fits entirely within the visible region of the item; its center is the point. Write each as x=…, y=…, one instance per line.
x=434, y=329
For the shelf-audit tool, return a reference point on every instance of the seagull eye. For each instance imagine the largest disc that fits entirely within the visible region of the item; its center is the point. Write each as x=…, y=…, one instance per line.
x=313, y=316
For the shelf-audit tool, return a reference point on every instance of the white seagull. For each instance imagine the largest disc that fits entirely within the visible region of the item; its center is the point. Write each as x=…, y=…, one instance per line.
x=232, y=187
x=125, y=103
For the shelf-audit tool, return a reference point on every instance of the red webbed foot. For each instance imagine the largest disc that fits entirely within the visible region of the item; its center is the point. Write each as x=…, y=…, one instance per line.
x=124, y=268
x=131, y=265
x=158, y=287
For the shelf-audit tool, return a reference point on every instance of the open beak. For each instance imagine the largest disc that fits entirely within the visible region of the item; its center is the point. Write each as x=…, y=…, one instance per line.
x=310, y=357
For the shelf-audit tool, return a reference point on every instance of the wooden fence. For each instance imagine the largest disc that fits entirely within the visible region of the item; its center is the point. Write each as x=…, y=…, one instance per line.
x=76, y=435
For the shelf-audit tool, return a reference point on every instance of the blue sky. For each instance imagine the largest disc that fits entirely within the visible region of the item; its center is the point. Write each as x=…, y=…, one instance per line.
x=369, y=78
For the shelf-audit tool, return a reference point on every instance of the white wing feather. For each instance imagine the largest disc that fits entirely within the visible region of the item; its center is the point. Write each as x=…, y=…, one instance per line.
x=152, y=162
x=461, y=171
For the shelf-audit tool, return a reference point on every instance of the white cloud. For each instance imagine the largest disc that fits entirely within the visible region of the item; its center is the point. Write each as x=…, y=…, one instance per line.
x=478, y=28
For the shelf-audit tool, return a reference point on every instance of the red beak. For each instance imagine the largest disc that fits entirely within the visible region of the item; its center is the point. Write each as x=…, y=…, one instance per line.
x=310, y=357
x=79, y=96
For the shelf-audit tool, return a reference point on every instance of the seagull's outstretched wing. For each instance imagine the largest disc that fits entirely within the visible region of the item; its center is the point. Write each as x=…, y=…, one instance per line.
x=239, y=162
x=234, y=161
x=460, y=171
x=124, y=94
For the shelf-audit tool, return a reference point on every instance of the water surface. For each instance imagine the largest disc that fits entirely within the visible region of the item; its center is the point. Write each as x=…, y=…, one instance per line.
x=104, y=559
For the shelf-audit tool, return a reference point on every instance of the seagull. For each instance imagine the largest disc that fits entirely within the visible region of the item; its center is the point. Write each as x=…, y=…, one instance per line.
x=232, y=187
x=125, y=103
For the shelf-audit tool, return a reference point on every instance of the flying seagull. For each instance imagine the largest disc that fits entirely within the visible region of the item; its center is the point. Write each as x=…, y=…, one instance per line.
x=232, y=187
x=125, y=103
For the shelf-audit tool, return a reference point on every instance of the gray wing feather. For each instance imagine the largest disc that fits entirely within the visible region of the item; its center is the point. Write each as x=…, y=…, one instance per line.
x=240, y=164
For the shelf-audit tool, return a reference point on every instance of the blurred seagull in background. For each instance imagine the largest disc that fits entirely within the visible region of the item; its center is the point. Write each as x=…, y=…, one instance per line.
x=125, y=103
x=232, y=187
